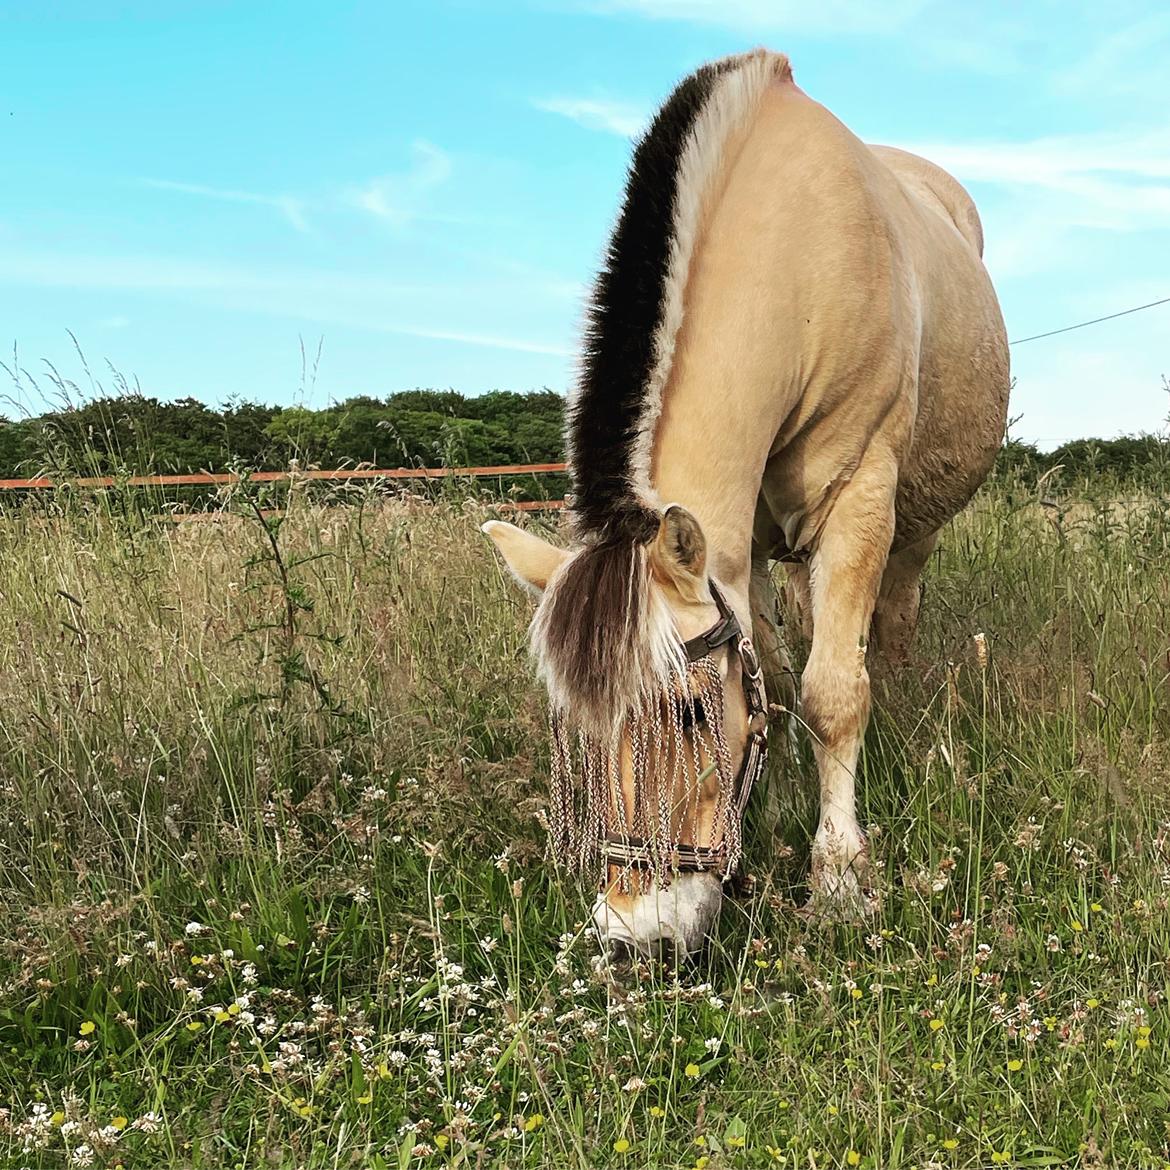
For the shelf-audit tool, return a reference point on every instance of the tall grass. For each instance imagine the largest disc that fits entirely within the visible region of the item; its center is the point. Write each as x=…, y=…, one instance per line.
x=275, y=894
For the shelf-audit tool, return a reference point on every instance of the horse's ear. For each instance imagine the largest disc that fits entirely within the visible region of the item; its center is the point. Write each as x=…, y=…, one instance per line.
x=679, y=553
x=532, y=560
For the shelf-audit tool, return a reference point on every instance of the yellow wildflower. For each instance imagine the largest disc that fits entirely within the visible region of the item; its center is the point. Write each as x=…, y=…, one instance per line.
x=194, y=1025
x=951, y=1144
x=87, y=1028
x=692, y=1070
x=533, y=1123
x=936, y=1024
x=853, y=1158
x=1015, y=1065
x=621, y=1146
x=120, y=1122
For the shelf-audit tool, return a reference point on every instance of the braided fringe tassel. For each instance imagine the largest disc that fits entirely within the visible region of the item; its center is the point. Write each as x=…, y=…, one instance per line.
x=586, y=797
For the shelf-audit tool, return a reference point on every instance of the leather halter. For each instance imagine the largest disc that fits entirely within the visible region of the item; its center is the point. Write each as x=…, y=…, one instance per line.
x=637, y=853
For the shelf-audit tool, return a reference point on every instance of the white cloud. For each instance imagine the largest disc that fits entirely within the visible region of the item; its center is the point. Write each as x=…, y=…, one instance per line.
x=1052, y=186
x=1127, y=62
x=290, y=208
x=401, y=198
x=790, y=16
x=321, y=296
x=612, y=117
x=1059, y=160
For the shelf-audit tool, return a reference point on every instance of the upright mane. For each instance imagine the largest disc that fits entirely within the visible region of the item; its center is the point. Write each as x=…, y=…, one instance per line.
x=603, y=634
x=636, y=309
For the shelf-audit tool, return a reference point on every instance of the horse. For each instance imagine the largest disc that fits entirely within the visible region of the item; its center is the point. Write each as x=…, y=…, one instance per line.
x=792, y=352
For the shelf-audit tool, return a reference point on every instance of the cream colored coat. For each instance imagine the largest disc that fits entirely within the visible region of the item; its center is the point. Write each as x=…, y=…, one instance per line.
x=837, y=391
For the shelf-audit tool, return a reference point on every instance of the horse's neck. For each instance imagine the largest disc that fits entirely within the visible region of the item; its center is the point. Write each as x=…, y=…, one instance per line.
x=710, y=457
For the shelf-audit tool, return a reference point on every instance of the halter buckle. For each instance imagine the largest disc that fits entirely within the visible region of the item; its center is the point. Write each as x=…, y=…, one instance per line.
x=749, y=660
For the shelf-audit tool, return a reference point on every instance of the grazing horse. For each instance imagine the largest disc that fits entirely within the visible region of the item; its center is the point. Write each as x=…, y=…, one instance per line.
x=792, y=353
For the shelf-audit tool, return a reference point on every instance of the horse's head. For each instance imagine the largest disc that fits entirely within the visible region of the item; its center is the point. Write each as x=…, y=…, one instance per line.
x=657, y=715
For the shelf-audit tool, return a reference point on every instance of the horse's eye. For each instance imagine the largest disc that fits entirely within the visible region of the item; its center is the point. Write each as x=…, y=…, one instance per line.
x=693, y=713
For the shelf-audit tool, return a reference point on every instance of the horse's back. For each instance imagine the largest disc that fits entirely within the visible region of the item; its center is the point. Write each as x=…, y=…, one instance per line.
x=886, y=310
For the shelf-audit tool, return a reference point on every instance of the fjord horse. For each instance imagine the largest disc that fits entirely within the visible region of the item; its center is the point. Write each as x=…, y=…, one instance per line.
x=792, y=352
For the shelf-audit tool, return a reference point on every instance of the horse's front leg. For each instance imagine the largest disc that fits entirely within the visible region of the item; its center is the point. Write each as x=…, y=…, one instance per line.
x=845, y=573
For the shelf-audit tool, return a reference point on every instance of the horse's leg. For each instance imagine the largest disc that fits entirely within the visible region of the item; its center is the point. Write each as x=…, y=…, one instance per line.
x=895, y=618
x=846, y=570
x=798, y=598
x=779, y=680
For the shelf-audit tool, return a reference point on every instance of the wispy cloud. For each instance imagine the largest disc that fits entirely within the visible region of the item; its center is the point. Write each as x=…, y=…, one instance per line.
x=612, y=117
x=759, y=16
x=1128, y=62
x=291, y=208
x=485, y=340
x=400, y=198
x=1051, y=186
x=319, y=295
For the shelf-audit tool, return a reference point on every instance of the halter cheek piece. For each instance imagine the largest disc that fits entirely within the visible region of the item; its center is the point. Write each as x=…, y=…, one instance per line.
x=636, y=852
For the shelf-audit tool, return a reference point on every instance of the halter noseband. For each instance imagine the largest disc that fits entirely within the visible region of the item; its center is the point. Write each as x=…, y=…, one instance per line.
x=638, y=853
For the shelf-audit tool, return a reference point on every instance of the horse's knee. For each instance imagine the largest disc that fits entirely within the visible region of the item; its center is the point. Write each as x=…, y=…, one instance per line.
x=835, y=698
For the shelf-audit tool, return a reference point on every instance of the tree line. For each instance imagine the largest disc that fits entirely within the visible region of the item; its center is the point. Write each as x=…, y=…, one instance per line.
x=136, y=434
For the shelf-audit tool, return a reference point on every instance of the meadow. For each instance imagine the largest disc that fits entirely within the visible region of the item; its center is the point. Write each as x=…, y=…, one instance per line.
x=274, y=890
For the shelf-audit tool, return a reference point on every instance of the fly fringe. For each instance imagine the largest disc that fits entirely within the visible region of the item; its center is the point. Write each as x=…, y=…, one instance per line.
x=665, y=741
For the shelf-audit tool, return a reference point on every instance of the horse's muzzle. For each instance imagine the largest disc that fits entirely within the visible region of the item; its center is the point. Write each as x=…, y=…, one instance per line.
x=678, y=917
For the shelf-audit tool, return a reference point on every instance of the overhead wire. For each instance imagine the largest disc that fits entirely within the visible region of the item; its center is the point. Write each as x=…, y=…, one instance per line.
x=1094, y=321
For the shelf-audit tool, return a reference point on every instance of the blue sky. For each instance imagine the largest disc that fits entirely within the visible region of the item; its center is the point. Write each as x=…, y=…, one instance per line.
x=194, y=188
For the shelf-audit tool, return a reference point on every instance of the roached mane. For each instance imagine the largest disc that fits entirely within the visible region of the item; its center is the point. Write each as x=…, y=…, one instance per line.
x=603, y=634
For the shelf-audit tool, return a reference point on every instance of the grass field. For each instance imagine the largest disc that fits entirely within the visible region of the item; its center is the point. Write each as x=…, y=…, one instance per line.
x=274, y=892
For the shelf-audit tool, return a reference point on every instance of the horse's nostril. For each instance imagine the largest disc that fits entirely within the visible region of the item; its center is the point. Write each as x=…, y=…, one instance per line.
x=622, y=952
x=660, y=952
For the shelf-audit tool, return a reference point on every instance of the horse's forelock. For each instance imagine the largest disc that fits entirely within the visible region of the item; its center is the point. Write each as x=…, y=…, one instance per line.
x=604, y=636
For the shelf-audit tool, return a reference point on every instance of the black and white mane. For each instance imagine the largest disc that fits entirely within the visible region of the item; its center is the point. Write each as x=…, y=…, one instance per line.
x=603, y=634
x=636, y=309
